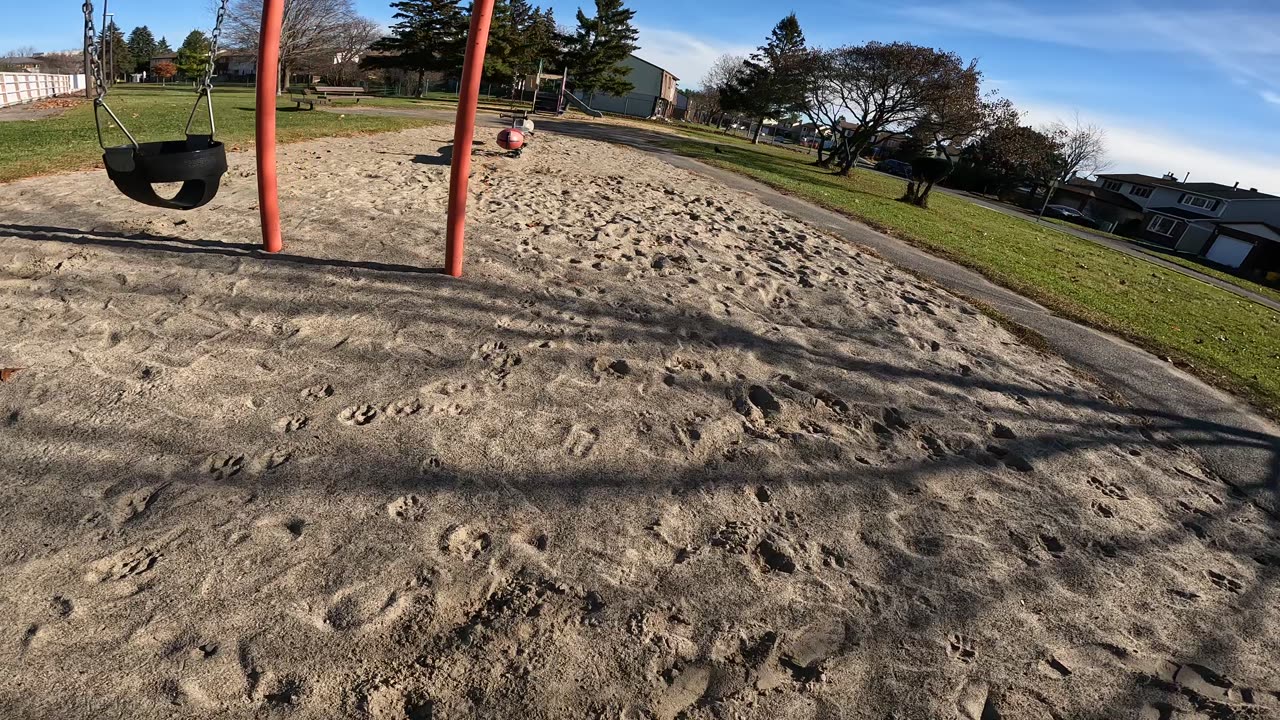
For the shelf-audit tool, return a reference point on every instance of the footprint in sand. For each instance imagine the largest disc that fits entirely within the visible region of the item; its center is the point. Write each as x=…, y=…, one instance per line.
x=1111, y=490
x=406, y=508
x=358, y=415
x=271, y=458
x=579, y=441
x=404, y=408
x=962, y=648
x=317, y=392
x=134, y=504
x=223, y=465
x=464, y=541
x=291, y=423
x=1225, y=582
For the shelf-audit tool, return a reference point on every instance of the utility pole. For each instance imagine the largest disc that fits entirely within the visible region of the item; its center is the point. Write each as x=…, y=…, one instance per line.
x=110, y=48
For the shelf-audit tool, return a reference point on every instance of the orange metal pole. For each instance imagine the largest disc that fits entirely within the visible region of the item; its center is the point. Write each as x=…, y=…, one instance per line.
x=463, y=129
x=265, y=125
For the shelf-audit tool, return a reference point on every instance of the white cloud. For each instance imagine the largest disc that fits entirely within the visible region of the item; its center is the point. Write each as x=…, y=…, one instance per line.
x=1240, y=44
x=684, y=55
x=1133, y=145
x=1271, y=97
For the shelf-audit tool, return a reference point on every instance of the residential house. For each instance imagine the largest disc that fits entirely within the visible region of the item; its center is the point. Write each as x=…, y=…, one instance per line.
x=236, y=65
x=22, y=64
x=654, y=94
x=1225, y=224
x=169, y=57
x=1116, y=211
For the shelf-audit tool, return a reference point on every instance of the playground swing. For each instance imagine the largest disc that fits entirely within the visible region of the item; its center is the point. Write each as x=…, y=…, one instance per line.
x=198, y=161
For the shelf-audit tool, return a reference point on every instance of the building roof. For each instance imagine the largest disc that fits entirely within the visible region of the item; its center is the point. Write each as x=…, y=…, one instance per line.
x=164, y=56
x=21, y=61
x=1180, y=213
x=1258, y=230
x=1099, y=193
x=646, y=62
x=1208, y=189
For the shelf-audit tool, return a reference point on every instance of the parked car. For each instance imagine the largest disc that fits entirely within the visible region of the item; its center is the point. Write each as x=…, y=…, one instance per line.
x=894, y=167
x=1070, y=214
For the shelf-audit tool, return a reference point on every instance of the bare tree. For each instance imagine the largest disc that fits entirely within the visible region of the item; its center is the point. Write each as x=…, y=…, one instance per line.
x=351, y=42
x=1083, y=148
x=885, y=88
x=720, y=73
x=24, y=51
x=311, y=29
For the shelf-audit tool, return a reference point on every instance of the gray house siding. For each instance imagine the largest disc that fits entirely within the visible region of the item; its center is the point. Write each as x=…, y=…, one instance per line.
x=654, y=92
x=1267, y=211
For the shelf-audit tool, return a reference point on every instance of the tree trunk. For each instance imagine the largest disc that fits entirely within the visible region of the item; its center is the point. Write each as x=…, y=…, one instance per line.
x=283, y=81
x=851, y=155
x=755, y=139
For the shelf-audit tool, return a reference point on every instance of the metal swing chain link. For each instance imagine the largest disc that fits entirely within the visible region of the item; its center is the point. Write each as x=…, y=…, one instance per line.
x=205, y=89
x=92, y=48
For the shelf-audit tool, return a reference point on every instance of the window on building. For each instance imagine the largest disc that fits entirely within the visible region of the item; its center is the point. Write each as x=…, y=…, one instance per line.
x=1112, y=185
x=1198, y=202
x=1140, y=191
x=1162, y=225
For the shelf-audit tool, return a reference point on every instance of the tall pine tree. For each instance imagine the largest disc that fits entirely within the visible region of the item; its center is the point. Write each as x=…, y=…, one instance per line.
x=429, y=36
x=771, y=84
x=162, y=46
x=600, y=43
x=193, y=56
x=142, y=45
x=118, y=60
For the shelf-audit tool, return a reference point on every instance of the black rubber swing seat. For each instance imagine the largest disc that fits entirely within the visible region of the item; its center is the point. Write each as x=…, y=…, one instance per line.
x=197, y=162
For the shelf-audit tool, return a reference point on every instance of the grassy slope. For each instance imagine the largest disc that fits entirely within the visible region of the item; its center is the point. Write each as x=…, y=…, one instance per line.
x=1189, y=263
x=1231, y=341
x=68, y=142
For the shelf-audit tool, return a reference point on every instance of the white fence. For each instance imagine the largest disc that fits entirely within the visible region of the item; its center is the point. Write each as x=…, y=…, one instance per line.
x=17, y=88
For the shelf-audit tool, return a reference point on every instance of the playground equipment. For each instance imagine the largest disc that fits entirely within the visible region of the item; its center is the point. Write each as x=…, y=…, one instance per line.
x=511, y=139
x=198, y=162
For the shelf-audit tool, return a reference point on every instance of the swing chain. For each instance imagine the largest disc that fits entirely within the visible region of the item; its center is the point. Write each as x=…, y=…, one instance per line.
x=92, y=50
x=205, y=90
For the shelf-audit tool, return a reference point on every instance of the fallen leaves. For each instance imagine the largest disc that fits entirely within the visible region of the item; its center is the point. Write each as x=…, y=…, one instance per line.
x=6, y=374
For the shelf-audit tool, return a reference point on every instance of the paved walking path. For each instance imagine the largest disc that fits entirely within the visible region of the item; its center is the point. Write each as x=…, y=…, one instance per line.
x=1239, y=446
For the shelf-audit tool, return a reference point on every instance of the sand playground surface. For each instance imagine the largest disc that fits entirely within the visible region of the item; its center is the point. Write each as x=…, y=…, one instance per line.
x=661, y=453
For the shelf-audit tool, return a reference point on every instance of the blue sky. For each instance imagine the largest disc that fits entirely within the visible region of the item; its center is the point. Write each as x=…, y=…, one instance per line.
x=1179, y=86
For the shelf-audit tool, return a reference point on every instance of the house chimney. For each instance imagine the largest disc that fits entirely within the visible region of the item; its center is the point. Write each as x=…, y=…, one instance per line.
x=1237, y=185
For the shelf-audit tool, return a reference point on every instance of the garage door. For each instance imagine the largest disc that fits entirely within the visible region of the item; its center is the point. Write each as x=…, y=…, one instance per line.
x=1228, y=251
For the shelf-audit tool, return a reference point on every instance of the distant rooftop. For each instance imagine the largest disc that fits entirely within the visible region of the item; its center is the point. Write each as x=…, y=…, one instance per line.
x=1209, y=189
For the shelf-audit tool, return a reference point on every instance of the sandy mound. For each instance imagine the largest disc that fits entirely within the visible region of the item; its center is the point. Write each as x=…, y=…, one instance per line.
x=663, y=452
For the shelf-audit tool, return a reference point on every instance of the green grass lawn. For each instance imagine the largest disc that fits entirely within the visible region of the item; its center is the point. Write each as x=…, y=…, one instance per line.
x=1226, y=339
x=69, y=142
x=1187, y=262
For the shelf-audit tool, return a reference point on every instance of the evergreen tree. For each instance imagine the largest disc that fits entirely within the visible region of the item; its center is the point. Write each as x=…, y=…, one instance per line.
x=162, y=46
x=544, y=40
x=773, y=81
x=119, y=61
x=429, y=35
x=142, y=46
x=193, y=56
x=600, y=43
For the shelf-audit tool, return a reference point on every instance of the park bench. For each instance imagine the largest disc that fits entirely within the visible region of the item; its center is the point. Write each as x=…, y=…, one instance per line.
x=300, y=96
x=330, y=93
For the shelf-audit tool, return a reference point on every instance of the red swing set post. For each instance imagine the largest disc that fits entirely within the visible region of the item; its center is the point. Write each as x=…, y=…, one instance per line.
x=464, y=128
x=265, y=124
